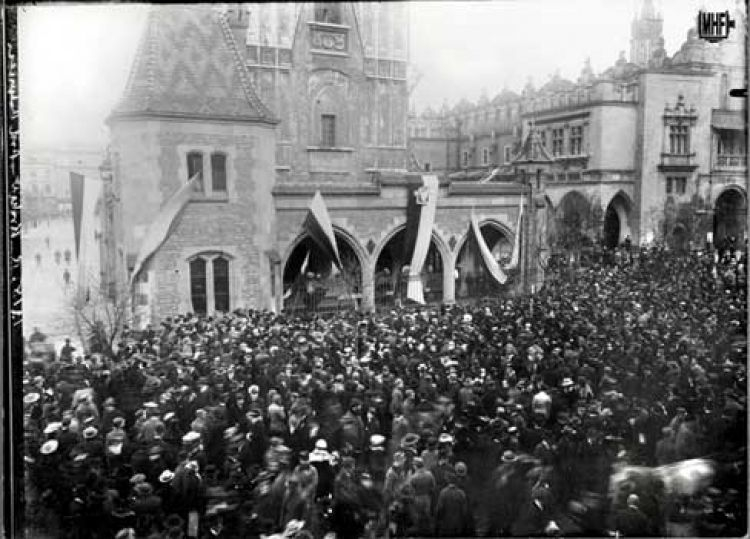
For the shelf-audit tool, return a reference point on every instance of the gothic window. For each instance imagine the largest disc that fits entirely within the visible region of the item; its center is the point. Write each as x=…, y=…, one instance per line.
x=218, y=172
x=210, y=289
x=328, y=130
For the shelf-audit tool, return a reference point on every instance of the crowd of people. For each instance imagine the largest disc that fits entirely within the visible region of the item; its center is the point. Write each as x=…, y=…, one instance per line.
x=507, y=417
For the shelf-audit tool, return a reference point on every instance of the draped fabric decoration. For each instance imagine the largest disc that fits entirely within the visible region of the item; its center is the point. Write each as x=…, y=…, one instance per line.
x=426, y=200
x=76, y=196
x=516, y=255
x=318, y=225
x=163, y=225
x=490, y=263
x=87, y=248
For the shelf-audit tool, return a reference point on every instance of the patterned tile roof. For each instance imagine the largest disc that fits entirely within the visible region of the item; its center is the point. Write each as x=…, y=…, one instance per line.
x=188, y=65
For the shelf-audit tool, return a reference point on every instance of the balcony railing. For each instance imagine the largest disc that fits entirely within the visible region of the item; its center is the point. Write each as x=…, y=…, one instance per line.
x=731, y=161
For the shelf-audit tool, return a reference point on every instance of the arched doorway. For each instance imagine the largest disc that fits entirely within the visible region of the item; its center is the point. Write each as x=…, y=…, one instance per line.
x=573, y=221
x=680, y=238
x=473, y=279
x=392, y=273
x=616, y=227
x=730, y=216
x=313, y=283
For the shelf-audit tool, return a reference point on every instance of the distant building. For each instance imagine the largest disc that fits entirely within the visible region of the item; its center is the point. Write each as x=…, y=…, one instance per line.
x=653, y=148
x=45, y=178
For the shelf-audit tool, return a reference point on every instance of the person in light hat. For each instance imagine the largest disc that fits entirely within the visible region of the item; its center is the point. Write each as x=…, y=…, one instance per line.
x=49, y=447
x=377, y=458
x=322, y=461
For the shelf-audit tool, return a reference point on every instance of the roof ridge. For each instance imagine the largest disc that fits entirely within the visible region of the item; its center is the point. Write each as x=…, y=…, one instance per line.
x=247, y=85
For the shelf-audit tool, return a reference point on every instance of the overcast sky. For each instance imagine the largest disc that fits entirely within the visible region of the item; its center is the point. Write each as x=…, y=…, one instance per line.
x=74, y=60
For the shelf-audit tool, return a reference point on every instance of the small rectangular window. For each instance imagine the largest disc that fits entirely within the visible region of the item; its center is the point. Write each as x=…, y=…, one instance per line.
x=218, y=172
x=485, y=156
x=427, y=167
x=194, y=164
x=328, y=130
x=681, y=185
x=669, y=185
x=506, y=154
x=465, y=158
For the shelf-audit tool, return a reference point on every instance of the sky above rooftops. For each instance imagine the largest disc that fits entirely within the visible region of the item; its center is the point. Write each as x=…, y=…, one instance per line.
x=75, y=59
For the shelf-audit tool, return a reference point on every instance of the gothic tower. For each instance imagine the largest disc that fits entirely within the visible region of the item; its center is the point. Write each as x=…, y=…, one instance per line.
x=645, y=33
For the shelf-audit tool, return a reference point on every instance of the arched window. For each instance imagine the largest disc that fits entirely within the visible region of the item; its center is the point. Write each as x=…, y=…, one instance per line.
x=210, y=283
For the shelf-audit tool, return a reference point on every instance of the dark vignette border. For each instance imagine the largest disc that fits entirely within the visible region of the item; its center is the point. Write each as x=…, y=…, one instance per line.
x=11, y=455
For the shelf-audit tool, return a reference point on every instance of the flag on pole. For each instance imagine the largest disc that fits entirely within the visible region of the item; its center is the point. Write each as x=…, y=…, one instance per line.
x=489, y=261
x=85, y=193
x=318, y=225
x=163, y=225
x=516, y=255
x=76, y=196
x=426, y=200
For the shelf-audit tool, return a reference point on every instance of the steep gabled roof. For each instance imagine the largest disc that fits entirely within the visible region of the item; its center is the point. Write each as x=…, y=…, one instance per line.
x=189, y=65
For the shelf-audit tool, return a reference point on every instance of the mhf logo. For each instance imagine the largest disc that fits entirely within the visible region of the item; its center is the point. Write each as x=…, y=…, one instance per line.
x=714, y=25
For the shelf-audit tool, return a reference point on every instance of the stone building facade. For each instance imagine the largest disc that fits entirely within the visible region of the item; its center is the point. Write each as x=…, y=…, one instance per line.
x=653, y=148
x=271, y=103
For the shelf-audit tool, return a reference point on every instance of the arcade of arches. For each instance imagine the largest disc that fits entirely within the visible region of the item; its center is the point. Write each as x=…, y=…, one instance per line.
x=579, y=223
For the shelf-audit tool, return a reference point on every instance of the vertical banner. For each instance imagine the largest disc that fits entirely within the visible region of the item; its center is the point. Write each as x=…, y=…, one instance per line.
x=76, y=197
x=89, y=260
x=318, y=225
x=489, y=261
x=426, y=197
x=516, y=255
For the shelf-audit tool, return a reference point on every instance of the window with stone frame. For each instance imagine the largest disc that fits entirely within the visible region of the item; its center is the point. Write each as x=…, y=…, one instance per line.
x=195, y=166
x=676, y=185
x=679, y=139
x=328, y=130
x=210, y=282
x=198, y=285
x=678, y=123
x=558, y=138
x=218, y=172
x=576, y=140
